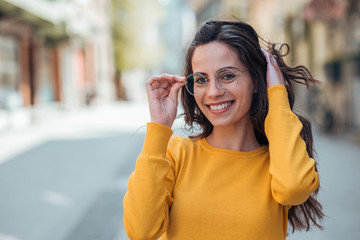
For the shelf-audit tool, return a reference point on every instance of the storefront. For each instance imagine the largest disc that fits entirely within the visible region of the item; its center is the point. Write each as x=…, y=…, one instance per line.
x=10, y=98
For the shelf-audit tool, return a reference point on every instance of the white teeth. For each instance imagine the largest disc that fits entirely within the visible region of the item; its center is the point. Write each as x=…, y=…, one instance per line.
x=221, y=106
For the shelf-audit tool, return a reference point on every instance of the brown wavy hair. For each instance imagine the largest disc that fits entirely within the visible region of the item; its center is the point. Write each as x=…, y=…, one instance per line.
x=242, y=37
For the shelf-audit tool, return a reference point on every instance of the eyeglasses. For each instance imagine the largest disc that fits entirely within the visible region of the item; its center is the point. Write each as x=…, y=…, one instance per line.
x=226, y=79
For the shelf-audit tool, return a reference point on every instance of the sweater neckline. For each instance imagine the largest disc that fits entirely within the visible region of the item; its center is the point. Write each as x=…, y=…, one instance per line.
x=260, y=150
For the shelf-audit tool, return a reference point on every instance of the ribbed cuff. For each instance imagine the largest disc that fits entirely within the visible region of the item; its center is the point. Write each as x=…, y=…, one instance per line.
x=278, y=98
x=157, y=138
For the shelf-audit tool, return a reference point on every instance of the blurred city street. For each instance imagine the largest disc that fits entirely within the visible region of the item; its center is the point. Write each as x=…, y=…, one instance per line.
x=69, y=175
x=73, y=109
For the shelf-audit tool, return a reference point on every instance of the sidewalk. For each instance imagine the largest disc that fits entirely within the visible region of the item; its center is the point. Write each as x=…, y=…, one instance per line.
x=45, y=123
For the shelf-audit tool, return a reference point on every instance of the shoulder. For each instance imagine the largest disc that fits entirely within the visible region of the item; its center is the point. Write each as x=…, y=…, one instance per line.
x=180, y=150
x=179, y=143
x=182, y=147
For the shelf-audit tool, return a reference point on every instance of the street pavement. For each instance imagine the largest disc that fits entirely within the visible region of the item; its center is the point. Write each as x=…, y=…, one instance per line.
x=64, y=176
x=339, y=168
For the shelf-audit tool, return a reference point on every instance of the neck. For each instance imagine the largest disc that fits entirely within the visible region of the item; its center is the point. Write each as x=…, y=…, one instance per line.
x=239, y=138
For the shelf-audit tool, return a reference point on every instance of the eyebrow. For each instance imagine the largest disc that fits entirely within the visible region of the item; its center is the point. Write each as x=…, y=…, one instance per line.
x=231, y=67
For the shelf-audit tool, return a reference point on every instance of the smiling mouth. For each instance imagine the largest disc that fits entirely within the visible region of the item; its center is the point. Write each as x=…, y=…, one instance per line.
x=220, y=106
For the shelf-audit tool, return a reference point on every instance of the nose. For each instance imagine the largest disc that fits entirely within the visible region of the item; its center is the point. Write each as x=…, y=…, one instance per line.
x=213, y=89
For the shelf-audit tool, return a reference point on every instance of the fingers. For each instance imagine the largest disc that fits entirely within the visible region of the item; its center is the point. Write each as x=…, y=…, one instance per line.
x=174, y=92
x=167, y=78
x=162, y=93
x=163, y=81
x=274, y=75
x=270, y=59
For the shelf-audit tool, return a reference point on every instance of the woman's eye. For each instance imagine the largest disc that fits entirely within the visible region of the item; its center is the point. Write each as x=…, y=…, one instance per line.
x=200, y=80
x=228, y=76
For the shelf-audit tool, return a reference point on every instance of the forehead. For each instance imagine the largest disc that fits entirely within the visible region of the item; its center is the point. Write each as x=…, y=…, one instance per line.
x=210, y=57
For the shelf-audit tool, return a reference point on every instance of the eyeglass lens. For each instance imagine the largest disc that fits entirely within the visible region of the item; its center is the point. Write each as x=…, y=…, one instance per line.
x=197, y=83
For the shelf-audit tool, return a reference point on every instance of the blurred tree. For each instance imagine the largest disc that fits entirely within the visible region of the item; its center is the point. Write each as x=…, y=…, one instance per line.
x=135, y=27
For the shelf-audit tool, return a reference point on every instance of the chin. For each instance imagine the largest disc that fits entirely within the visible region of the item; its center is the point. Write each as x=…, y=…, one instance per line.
x=233, y=123
x=220, y=123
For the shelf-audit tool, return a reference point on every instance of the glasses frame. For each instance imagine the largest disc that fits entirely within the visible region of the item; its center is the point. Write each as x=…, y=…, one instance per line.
x=215, y=78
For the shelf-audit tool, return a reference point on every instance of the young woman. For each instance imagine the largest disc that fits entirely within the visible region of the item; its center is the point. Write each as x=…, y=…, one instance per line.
x=250, y=170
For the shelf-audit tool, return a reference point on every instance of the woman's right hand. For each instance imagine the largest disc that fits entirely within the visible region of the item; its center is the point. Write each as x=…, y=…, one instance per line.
x=163, y=91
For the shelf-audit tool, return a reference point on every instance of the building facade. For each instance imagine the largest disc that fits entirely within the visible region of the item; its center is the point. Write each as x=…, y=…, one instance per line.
x=54, y=53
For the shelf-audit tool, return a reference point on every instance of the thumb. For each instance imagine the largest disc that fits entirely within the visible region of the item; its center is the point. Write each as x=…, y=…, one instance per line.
x=174, y=92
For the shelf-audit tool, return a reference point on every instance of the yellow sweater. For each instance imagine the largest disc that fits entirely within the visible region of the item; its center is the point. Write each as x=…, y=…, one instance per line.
x=183, y=189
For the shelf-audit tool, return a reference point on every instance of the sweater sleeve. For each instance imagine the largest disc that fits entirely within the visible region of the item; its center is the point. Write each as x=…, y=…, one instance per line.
x=149, y=195
x=292, y=170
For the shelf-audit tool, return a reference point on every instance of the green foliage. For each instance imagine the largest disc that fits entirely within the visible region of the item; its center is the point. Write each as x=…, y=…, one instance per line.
x=135, y=26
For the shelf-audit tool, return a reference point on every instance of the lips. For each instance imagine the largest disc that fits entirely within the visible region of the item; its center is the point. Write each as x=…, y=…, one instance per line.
x=220, y=106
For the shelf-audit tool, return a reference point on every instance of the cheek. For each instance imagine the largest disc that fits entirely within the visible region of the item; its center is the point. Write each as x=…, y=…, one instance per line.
x=249, y=98
x=199, y=101
x=248, y=88
x=245, y=95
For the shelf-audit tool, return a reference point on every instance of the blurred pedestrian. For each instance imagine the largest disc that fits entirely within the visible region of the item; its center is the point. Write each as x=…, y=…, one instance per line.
x=250, y=170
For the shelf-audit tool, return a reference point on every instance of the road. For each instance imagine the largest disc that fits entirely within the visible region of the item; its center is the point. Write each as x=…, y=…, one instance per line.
x=339, y=168
x=69, y=181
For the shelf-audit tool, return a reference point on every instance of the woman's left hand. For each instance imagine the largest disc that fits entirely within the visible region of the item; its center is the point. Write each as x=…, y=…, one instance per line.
x=274, y=75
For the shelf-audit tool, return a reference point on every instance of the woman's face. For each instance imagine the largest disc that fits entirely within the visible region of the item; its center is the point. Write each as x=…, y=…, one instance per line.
x=223, y=108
